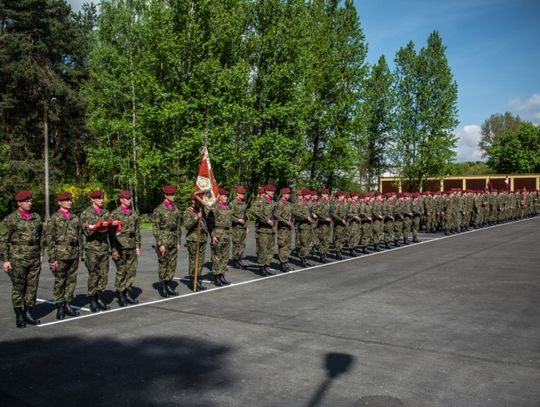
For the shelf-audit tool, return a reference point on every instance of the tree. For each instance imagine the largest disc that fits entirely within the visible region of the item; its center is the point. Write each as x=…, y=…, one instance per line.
x=426, y=112
x=516, y=151
x=493, y=127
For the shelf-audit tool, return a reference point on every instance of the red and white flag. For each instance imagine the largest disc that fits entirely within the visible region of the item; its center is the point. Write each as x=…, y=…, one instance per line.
x=206, y=187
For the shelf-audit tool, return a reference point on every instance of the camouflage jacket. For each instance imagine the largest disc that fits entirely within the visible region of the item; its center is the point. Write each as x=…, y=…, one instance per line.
x=301, y=214
x=166, y=225
x=64, y=237
x=130, y=235
x=193, y=230
x=262, y=211
x=323, y=210
x=95, y=240
x=239, y=211
x=220, y=217
x=284, y=213
x=339, y=212
x=22, y=239
x=364, y=211
x=417, y=206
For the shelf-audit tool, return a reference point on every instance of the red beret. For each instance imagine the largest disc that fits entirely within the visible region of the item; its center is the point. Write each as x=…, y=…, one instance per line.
x=378, y=193
x=416, y=194
x=306, y=192
x=63, y=196
x=340, y=193
x=270, y=187
x=223, y=191
x=125, y=195
x=97, y=194
x=169, y=190
x=325, y=191
x=261, y=190
x=240, y=189
x=23, y=196
x=314, y=193
x=285, y=190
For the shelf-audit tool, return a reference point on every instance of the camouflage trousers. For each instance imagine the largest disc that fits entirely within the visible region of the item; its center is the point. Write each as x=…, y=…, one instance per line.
x=305, y=241
x=65, y=280
x=324, y=232
x=196, y=254
x=24, y=279
x=167, y=263
x=284, y=242
x=340, y=235
x=415, y=226
x=388, y=230
x=377, y=229
x=354, y=234
x=98, y=271
x=398, y=228
x=126, y=269
x=221, y=251
x=265, y=247
x=407, y=225
x=238, y=242
x=365, y=233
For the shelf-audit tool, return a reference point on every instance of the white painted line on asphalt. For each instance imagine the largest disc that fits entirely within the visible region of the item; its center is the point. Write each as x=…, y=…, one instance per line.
x=53, y=303
x=274, y=276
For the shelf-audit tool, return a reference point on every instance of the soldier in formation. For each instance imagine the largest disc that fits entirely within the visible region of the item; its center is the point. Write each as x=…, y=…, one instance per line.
x=220, y=223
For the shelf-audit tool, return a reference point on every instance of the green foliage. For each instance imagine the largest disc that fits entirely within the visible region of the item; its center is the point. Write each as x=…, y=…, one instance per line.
x=493, y=127
x=469, y=169
x=516, y=151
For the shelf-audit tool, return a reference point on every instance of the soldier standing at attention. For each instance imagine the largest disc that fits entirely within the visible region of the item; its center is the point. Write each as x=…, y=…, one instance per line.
x=285, y=226
x=239, y=227
x=339, y=215
x=194, y=221
x=417, y=209
x=21, y=253
x=303, y=218
x=377, y=217
x=126, y=248
x=166, y=225
x=220, y=222
x=364, y=213
x=64, y=247
x=95, y=223
x=264, y=214
x=323, y=211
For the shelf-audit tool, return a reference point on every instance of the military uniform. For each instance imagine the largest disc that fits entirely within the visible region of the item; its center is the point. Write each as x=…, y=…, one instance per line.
x=388, y=222
x=354, y=224
x=285, y=224
x=64, y=247
x=366, y=232
x=339, y=214
x=264, y=213
x=126, y=249
x=323, y=210
x=239, y=228
x=194, y=220
x=21, y=250
x=303, y=218
x=377, y=221
x=220, y=222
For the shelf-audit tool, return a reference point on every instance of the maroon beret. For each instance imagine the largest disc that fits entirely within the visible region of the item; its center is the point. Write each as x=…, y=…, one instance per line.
x=285, y=190
x=378, y=193
x=306, y=192
x=314, y=193
x=240, y=189
x=270, y=187
x=340, y=193
x=169, y=190
x=223, y=191
x=63, y=196
x=23, y=196
x=97, y=194
x=124, y=195
x=324, y=191
x=261, y=190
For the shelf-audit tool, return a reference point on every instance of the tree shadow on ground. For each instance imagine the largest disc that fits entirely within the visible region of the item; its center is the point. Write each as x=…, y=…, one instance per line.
x=70, y=371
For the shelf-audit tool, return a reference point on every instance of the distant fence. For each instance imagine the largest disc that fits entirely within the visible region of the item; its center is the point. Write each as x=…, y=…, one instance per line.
x=519, y=181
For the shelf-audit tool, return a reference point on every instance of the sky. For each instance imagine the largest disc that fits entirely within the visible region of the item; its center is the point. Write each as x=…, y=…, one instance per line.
x=493, y=49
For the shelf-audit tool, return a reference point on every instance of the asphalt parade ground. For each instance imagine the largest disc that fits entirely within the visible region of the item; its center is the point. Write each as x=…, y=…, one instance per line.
x=450, y=321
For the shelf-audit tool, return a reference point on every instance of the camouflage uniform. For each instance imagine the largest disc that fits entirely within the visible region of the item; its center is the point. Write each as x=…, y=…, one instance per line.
x=388, y=222
x=166, y=225
x=339, y=215
x=64, y=245
x=196, y=238
x=303, y=219
x=265, y=240
x=323, y=210
x=284, y=232
x=354, y=227
x=417, y=209
x=220, y=220
x=364, y=213
x=239, y=230
x=377, y=222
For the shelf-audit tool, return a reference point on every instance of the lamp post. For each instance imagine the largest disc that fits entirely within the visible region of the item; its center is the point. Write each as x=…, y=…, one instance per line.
x=46, y=154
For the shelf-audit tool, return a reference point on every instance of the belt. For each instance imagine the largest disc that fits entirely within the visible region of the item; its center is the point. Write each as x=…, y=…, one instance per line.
x=72, y=244
x=28, y=243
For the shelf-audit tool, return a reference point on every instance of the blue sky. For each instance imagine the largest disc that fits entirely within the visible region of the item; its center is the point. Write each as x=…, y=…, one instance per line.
x=493, y=49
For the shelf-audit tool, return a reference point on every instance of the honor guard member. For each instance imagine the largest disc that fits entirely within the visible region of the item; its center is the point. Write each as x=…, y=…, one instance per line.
x=305, y=222
x=364, y=213
x=21, y=252
x=285, y=227
x=126, y=248
x=167, y=228
x=339, y=214
x=388, y=222
x=95, y=224
x=323, y=210
x=354, y=224
x=64, y=248
x=377, y=218
x=220, y=224
x=239, y=227
x=314, y=246
x=264, y=213
x=194, y=220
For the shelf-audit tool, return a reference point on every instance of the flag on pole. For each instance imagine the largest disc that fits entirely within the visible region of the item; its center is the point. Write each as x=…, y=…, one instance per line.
x=206, y=187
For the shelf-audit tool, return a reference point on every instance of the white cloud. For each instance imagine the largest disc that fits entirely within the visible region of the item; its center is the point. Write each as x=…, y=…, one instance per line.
x=528, y=109
x=467, y=144
x=77, y=4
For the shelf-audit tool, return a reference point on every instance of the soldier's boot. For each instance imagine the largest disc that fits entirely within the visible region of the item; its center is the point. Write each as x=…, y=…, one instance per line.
x=396, y=243
x=129, y=298
x=415, y=239
x=224, y=280
x=169, y=289
x=376, y=247
x=162, y=289
x=100, y=303
x=19, y=317
x=284, y=267
x=29, y=317
x=386, y=245
x=122, y=299
x=265, y=271
x=217, y=280
x=446, y=233
x=405, y=241
x=60, y=311
x=70, y=311
x=364, y=250
x=200, y=287
x=93, y=304
x=339, y=256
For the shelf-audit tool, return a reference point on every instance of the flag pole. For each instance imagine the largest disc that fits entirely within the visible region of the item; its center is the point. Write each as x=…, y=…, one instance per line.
x=197, y=247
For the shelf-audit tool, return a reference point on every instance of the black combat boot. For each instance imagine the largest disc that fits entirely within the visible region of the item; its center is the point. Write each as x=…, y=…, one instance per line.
x=415, y=239
x=162, y=288
x=100, y=303
x=364, y=250
x=303, y=262
x=353, y=253
x=19, y=317
x=169, y=289
x=129, y=298
x=224, y=280
x=93, y=304
x=376, y=247
x=265, y=271
x=29, y=317
x=396, y=243
x=339, y=256
x=240, y=265
x=285, y=267
x=405, y=241
x=217, y=280
x=70, y=311
x=386, y=245
x=324, y=259
x=200, y=287
x=122, y=299
x=60, y=311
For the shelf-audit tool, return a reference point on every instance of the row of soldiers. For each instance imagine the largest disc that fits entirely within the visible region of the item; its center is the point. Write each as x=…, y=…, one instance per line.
x=353, y=222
